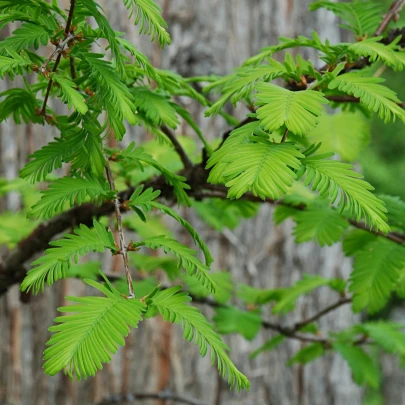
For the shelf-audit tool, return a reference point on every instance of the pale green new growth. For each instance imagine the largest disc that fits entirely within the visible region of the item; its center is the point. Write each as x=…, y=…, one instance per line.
x=53, y=265
x=173, y=306
x=97, y=326
x=298, y=111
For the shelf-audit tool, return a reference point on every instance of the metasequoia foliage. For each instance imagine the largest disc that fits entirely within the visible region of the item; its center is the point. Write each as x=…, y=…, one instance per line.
x=282, y=153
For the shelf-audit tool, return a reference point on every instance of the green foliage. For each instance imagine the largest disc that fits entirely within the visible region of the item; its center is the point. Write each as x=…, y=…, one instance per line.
x=264, y=157
x=321, y=224
x=341, y=184
x=364, y=369
x=64, y=252
x=289, y=297
x=69, y=95
x=186, y=258
x=232, y=320
x=67, y=192
x=372, y=94
x=268, y=346
x=345, y=133
x=145, y=201
x=27, y=36
x=298, y=111
x=84, y=340
x=376, y=272
x=173, y=306
x=361, y=17
x=247, y=168
x=308, y=354
x=147, y=14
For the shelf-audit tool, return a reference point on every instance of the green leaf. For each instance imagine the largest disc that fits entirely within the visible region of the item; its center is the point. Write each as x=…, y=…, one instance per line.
x=177, y=182
x=396, y=211
x=92, y=9
x=264, y=168
x=53, y=265
x=90, y=270
x=390, y=336
x=21, y=104
x=85, y=339
x=322, y=224
x=297, y=110
x=145, y=202
x=375, y=50
x=305, y=286
x=148, y=15
x=268, y=346
x=67, y=192
x=13, y=64
x=173, y=306
x=156, y=107
x=307, y=354
x=27, y=36
x=341, y=183
x=345, y=133
x=241, y=84
x=364, y=370
x=223, y=281
x=232, y=320
x=372, y=94
x=376, y=271
x=110, y=92
x=186, y=258
x=70, y=95
x=357, y=240
x=362, y=17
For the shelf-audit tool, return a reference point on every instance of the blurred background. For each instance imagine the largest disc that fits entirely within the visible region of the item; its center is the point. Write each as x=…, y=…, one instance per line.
x=208, y=37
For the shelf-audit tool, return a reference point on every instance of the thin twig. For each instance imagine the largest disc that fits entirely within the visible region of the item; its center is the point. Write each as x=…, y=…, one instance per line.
x=320, y=314
x=177, y=147
x=59, y=49
x=283, y=139
x=164, y=396
x=123, y=246
x=392, y=14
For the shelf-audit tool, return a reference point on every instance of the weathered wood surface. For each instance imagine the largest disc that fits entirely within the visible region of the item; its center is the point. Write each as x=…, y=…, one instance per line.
x=211, y=36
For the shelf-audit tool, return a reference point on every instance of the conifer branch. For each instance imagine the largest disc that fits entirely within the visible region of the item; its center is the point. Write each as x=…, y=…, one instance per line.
x=393, y=14
x=123, y=246
x=59, y=49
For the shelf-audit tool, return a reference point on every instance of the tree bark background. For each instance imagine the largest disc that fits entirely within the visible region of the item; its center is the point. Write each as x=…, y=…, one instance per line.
x=208, y=37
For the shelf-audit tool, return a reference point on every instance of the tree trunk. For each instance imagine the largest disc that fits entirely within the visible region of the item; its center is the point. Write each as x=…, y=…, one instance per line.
x=208, y=37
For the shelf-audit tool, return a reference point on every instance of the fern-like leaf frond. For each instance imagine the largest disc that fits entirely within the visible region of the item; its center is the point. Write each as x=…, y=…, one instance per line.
x=297, y=110
x=372, y=94
x=85, y=339
x=265, y=168
x=148, y=15
x=376, y=271
x=67, y=192
x=341, y=183
x=70, y=95
x=174, y=306
x=146, y=202
x=186, y=258
x=53, y=264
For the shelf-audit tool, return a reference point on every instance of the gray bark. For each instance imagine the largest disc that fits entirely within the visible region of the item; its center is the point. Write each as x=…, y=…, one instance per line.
x=208, y=37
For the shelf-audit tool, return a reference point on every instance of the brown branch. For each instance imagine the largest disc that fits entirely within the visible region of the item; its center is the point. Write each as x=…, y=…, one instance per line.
x=164, y=396
x=320, y=314
x=393, y=14
x=59, y=49
x=177, y=147
x=123, y=246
